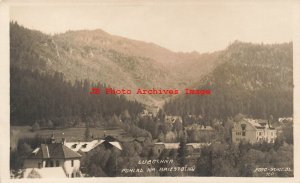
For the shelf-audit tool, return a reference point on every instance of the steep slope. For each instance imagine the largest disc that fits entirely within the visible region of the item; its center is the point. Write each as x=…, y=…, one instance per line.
x=50, y=97
x=254, y=79
x=116, y=61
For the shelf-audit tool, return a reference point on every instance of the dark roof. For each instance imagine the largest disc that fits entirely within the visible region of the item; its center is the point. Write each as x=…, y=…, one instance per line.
x=120, y=139
x=53, y=151
x=110, y=139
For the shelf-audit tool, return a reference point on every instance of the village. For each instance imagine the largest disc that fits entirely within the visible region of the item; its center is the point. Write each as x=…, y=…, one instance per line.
x=67, y=159
x=149, y=89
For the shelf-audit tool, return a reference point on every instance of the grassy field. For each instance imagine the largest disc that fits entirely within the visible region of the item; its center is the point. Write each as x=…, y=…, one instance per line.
x=70, y=134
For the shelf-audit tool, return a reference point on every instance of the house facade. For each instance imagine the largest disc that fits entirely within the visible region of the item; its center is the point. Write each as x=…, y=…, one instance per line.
x=173, y=119
x=55, y=158
x=253, y=131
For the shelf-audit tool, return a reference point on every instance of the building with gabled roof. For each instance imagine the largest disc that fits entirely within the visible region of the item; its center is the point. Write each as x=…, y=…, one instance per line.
x=51, y=158
x=253, y=130
x=62, y=157
x=53, y=150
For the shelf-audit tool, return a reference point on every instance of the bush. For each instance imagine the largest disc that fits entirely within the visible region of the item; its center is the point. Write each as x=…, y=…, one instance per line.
x=35, y=127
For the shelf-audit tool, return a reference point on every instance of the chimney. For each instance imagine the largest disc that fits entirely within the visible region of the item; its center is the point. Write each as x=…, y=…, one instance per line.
x=52, y=139
x=63, y=141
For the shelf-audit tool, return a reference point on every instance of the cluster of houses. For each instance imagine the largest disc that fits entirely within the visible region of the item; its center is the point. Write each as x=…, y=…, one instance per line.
x=151, y=111
x=245, y=130
x=62, y=159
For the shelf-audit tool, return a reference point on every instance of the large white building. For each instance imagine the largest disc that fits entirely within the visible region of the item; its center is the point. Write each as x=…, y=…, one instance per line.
x=253, y=130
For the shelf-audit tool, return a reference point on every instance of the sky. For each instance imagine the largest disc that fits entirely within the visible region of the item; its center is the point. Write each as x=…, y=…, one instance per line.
x=181, y=26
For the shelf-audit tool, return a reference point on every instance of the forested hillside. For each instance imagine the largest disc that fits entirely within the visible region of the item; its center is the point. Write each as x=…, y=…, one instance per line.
x=101, y=57
x=254, y=79
x=43, y=97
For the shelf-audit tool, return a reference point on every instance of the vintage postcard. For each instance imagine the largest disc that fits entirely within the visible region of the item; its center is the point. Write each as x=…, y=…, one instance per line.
x=180, y=90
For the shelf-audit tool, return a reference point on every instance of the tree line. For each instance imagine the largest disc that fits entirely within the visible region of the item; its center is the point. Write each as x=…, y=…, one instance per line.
x=256, y=80
x=51, y=101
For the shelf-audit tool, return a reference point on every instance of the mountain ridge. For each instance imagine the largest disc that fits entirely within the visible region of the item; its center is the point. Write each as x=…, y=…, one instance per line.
x=100, y=57
x=254, y=79
x=114, y=60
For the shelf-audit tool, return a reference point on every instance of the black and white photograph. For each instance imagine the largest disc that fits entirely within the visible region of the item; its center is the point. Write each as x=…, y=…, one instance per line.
x=151, y=89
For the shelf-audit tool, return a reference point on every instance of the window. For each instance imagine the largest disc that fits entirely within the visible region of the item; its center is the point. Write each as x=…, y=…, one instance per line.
x=51, y=163
x=271, y=133
x=72, y=163
x=259, y=133
x=47, y=163
x=57, y=163
x=244, y=133
x=158, y=150
x=40, y=164
x=74, y=146
x=72, y=173
x=243, y=126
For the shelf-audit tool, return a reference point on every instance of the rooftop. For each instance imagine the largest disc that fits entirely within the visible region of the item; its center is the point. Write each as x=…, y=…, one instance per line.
x=199, y=127
x=259, y=123
x=83, y=146
x=88, y=146
x=53, y=151
x=176, y=145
